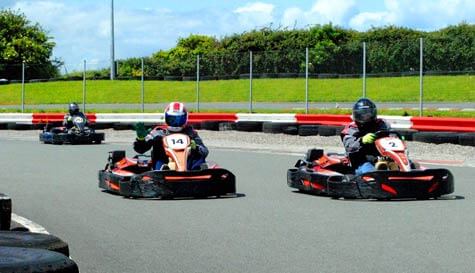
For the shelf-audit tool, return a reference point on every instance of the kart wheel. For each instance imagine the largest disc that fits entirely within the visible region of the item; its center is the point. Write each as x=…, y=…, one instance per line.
x=33, y=240
x=98, y=142
x=16, y=259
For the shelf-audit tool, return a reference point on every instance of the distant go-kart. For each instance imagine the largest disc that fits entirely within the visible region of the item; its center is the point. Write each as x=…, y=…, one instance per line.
x=396, y=177
x=134, y=177
x=80, y=133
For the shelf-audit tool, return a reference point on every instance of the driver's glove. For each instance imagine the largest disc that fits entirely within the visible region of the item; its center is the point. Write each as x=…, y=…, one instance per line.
x=193, y=144
x=368, y=138
x=140, y=130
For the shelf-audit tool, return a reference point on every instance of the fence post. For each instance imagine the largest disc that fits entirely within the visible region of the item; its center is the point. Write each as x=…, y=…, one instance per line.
x=84, y=88
x=250, y=81
x=198, y=83
x=142, y=87
x=23, y=87
x=306, y=80
x=364, y=69
x=421, y=77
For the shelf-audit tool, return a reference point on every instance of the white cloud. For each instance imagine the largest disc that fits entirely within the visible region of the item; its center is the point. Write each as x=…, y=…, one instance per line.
x=255, y=14
x=421, y=14
x=322, y=12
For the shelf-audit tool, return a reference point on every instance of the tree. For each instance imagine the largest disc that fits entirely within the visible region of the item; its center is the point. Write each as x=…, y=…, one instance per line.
x=23, y=41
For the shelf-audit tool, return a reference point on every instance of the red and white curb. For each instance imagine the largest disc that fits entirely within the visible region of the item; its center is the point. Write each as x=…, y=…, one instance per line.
x=396, y=122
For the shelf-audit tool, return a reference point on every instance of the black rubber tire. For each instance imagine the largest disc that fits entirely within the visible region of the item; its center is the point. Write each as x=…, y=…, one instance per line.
x=15, y=126
x=249, y=126
x=308, y=130
x=436, y=137
x=17, y=259
x=103, y=125
x=121, y=126
x=5, y=212
x=274, y=127
x=467, y=139
x=329, y=130
x=210, y=125
x=291, y=130
x=227, y=126
x=33, y=240
x=407, y=134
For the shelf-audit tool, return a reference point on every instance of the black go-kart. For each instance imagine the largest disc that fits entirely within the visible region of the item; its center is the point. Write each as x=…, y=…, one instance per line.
x=80, y=133
x=395, y=177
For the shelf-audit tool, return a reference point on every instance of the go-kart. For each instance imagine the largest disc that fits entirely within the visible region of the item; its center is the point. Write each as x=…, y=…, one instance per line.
x=134, y=177
x=80, y=133
x=395, y=177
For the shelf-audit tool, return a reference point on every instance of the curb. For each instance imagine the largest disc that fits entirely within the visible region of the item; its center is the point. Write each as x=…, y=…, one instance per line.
x=426, y=129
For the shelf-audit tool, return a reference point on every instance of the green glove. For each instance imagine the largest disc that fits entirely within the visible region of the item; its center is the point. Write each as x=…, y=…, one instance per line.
x=140, y=130
x=193, y=144
x=368, y=138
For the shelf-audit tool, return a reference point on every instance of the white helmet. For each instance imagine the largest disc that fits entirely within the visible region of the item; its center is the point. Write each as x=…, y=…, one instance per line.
x=176, y=116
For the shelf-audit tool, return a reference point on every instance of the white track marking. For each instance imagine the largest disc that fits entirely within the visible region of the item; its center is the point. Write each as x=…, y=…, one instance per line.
x=32, y=226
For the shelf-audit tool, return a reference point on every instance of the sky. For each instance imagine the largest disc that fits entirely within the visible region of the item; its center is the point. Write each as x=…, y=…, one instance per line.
x=81, y=28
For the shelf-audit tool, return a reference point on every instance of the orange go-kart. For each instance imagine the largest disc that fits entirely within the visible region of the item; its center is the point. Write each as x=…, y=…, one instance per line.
x=134, y=177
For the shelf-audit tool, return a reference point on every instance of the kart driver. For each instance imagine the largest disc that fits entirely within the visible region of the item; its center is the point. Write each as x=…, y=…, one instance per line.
x=358, y=137
x=176, y=118
x=73, y=109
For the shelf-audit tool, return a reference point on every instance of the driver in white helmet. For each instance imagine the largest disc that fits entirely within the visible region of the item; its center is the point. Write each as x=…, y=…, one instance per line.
x=176, y=118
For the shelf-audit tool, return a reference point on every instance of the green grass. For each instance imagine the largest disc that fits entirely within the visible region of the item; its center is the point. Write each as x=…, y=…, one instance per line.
x=401, y=112
x=397, y=89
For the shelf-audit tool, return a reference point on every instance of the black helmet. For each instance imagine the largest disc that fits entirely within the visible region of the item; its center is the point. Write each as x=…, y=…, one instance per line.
x=73, y=108
x=364, y=111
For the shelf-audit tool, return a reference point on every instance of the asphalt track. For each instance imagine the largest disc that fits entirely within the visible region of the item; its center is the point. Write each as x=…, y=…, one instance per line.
x=268, y=228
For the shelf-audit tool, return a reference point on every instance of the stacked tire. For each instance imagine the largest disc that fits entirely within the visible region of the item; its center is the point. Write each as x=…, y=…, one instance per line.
x=24, y=251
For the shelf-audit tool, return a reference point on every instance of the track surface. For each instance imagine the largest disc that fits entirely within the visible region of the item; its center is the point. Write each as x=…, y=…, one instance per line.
x=269, y=228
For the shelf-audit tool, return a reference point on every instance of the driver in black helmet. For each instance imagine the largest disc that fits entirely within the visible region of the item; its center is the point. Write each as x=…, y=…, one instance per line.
x=73, y=111
x=358, y=137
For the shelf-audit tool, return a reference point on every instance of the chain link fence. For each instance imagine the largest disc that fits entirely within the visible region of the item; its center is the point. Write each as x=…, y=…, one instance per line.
x=291, y=80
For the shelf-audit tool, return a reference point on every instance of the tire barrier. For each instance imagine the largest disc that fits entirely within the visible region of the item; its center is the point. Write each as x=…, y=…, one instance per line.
x=249, y=126
x=293, y=124
x=308, y=130
x=17, y=259
x=467, y=139
x=330, y=130
x=436, y=137
x=227, y=126
x=33, y=240
x=274, y=127
x=5, y=212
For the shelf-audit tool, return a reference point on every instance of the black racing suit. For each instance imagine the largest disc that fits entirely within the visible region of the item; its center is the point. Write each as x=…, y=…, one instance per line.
x=154, y=141
x=68, y=119
x=352, y=136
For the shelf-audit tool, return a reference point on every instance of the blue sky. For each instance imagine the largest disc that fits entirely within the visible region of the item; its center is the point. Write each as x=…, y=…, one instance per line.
x=81, y=28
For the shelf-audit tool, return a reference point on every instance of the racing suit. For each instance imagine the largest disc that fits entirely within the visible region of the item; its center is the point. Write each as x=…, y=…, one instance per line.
x=68, y=119
x=361, y=155
x=154, y=141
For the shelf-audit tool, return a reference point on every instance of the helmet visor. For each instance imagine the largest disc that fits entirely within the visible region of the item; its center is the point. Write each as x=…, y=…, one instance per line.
x=364, y=115
x=176, y=120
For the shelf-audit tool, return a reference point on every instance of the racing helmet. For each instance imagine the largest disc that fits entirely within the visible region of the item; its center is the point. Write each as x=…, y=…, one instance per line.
x=176, y=116
x=73, y=108
x=364, y=111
